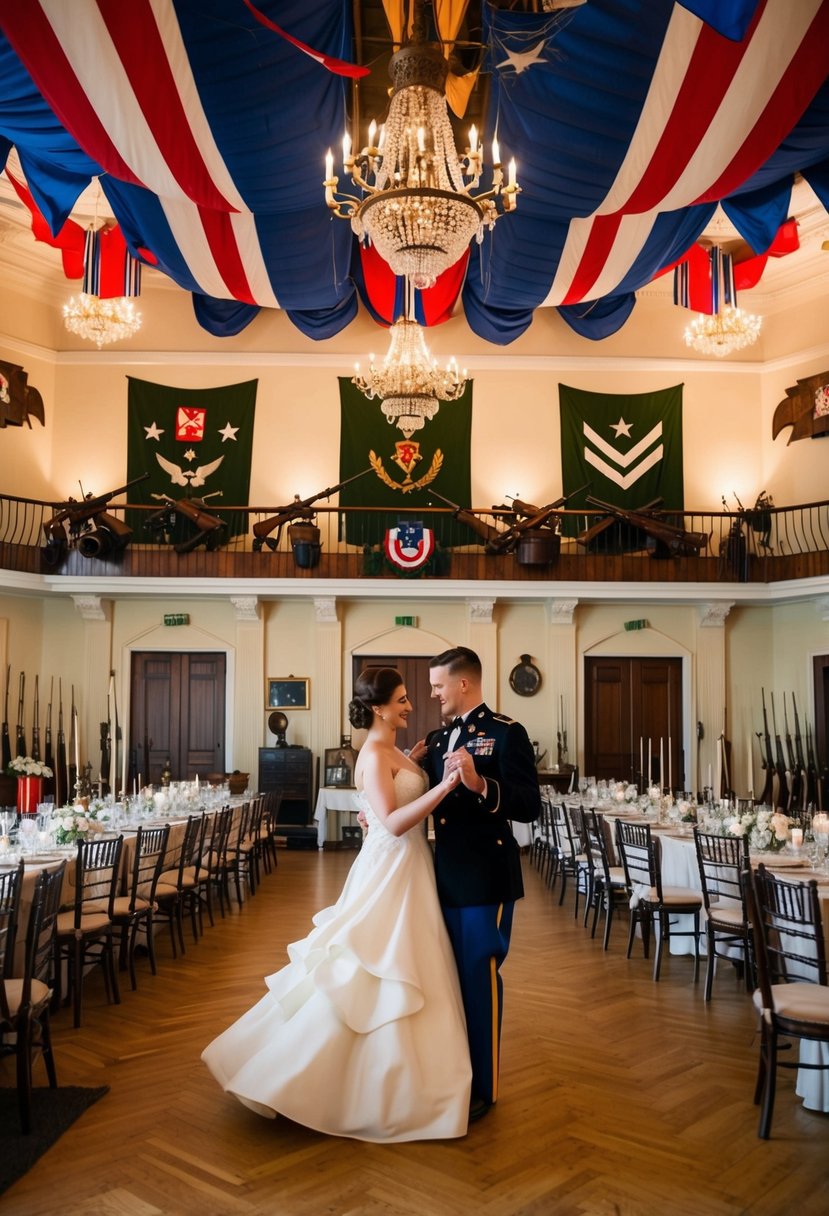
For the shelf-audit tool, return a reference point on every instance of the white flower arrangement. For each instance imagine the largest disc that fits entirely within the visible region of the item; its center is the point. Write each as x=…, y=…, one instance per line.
x=72, y=823
x=767, y=830
x=623, y=791
x=26, y=766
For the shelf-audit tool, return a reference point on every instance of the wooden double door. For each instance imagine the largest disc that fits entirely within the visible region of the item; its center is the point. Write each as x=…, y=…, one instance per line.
x=177, y=714
x=628, y=700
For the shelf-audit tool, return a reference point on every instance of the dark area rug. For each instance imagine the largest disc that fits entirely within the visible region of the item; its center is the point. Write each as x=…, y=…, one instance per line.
x=53, y=1111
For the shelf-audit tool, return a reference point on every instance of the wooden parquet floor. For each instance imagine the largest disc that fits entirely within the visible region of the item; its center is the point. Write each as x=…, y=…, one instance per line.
x=620, y=1097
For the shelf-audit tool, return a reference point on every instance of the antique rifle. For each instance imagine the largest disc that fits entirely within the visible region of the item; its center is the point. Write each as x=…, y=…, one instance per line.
x=797, y=760
x=300, y=508
x=534, y=517
x=21, y=728
x=208, y=526
x=36, y=723
x=812, y=782
x=602, y=525
x=61, y=776
x=6, y=744
x=725, y=790
x=677, y=541
x=487, y=533
x=768, y=763
x=781, y=800
x=48, y=756
x=73, y=774
x=91, y=528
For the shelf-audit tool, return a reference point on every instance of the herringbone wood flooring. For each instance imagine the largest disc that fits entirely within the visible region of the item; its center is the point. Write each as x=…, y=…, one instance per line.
x=620, y=1097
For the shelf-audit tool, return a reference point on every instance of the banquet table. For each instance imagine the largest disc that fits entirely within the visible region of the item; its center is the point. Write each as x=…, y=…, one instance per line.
x=334, y=801
x=679, y=868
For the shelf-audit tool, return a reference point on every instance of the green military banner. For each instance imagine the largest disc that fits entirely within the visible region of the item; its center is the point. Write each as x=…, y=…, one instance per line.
x=194, y=443
x=405, y=472
x=628, y=446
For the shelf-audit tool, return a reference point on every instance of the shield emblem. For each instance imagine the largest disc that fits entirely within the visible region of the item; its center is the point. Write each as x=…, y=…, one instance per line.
x=190, y=422
x=409, y=545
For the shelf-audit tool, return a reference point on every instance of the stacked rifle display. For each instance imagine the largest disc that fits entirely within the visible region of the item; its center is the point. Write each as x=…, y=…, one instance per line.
x=664, y=539
x=529, y=518
x=62, y=754
x=87, y=526
x=795, y=778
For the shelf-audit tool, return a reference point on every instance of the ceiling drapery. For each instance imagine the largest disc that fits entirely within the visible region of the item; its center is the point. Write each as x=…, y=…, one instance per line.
x=630, y=121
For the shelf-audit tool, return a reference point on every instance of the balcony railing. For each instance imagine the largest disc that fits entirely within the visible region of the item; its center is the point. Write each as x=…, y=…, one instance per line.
x=774, y=544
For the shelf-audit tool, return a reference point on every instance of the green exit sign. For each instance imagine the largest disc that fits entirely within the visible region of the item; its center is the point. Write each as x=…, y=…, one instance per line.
x=406, y=620
x=176, y=618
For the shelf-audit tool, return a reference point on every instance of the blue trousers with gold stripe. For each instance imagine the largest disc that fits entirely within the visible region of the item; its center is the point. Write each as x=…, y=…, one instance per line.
x=480, y=939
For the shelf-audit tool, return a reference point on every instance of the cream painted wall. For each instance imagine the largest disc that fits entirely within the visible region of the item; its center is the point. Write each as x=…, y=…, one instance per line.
x=727, y=405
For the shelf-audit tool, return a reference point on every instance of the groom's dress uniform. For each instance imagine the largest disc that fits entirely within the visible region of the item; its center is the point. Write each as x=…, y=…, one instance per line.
x=478, y=868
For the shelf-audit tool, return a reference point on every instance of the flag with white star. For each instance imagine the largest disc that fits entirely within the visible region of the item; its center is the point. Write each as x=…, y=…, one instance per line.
x=194, y=443
x=628, y=446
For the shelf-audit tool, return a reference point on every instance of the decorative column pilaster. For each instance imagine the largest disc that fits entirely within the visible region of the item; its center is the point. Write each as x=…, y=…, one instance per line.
x=711, y=688
x=248, y=689
x=328, y=721
x=562, y=678
x=483, y=639
x=91, y=696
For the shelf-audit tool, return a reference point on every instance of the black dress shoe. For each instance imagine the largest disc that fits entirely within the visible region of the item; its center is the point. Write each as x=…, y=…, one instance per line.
x=478, y=1108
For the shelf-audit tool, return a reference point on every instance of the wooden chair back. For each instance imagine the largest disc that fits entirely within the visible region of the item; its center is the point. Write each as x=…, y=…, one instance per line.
x=97, y=871
x=147, y=863
x=11, y=886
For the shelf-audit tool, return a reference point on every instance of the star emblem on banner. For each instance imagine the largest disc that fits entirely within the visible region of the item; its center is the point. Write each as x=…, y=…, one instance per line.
x=189, y=454
x=621, y=428
x=228, y=432
x=153, y=431
x=521, y=61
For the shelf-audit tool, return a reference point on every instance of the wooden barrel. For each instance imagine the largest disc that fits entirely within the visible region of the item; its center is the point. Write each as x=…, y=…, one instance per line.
x=538, y=547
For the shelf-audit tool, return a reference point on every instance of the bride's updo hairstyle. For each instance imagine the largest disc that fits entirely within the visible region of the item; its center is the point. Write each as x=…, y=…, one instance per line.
x=374, y=686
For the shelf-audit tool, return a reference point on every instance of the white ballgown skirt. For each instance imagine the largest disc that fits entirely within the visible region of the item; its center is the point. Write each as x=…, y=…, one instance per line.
x=362, y=1034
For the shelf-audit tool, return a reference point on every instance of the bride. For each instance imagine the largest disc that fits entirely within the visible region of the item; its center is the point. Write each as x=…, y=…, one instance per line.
x=362, y=1033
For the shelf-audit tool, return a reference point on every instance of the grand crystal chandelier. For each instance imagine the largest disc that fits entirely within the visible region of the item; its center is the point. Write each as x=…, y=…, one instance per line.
x=409, y=382
x=723, y=332
x=416, y=206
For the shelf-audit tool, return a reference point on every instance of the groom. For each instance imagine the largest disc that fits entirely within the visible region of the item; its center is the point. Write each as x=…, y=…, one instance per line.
x=477, y=860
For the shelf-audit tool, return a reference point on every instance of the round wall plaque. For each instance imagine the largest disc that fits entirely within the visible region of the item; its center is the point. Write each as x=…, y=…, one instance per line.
x=525, y=678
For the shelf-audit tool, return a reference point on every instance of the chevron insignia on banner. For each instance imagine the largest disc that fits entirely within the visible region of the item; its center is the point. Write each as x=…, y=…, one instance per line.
x=409, y=545
x=638, y=456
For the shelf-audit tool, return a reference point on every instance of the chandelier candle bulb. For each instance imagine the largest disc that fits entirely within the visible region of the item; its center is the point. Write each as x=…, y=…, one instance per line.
x=511, y=180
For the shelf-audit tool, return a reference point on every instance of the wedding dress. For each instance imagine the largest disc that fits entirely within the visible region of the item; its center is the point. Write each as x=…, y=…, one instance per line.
x=362, y=1034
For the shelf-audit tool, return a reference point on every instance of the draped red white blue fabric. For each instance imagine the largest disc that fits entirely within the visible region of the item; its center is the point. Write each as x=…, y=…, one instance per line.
x=629, y=119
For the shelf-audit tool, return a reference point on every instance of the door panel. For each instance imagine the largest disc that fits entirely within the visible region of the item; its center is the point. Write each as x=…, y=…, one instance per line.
x=177, y=713
x=627, y=700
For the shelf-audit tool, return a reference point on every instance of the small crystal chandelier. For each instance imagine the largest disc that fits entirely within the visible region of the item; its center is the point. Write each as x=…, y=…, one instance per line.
x=417, y=207
x=97, y=318
x=723, y=332
x=726, y=328
x=408, y=381
x=100, y=321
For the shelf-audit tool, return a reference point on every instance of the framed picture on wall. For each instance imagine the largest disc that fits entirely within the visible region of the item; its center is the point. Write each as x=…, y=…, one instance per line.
x=339, y=766
x=288, y=692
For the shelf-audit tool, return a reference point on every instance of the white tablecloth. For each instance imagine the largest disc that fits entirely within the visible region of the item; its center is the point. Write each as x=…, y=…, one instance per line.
x=340, y=802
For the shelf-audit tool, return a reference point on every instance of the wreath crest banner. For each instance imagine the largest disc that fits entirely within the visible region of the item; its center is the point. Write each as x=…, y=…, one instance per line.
x=405, y=470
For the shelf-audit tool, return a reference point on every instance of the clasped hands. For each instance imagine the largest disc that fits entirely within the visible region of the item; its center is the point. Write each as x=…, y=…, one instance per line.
x=460, y=761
